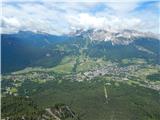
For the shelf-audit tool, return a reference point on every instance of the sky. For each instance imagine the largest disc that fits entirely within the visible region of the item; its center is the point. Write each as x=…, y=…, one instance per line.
x=62, y=17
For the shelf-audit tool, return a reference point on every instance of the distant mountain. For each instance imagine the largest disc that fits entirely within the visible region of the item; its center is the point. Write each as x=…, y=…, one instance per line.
x=123, y=37
x=28, y=49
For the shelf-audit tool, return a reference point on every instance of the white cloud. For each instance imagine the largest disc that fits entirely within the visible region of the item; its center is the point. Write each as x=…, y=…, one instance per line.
x=86, y=21
x=10, y=25
x=124, y=6
x=59, y=18
x=13, y=22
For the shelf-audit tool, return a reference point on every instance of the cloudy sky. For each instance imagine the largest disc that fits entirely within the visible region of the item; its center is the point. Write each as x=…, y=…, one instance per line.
x=60, y=17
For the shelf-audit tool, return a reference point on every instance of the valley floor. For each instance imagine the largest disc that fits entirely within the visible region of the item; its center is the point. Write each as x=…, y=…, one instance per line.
x=95, y=89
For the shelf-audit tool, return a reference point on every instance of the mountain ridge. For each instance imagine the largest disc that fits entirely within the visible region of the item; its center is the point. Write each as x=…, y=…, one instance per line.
x=29, y=48
x=123, y=37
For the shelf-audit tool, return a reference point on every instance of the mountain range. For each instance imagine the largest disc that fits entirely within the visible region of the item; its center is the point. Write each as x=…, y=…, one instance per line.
x=87, y=74
x=27, y=48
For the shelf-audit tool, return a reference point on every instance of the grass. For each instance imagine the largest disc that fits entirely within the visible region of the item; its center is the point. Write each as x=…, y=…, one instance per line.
x=142, y=73
x=83, y=64
x=39, y=81
x=88, y=64
x=65, y=68
x=13, y=90
x=133, y=61
x=66, y=65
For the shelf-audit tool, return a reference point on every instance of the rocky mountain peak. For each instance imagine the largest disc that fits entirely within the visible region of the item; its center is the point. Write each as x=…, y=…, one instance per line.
x=123, y=37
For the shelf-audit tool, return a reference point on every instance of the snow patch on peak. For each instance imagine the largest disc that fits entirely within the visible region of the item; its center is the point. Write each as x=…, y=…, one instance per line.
x=123, y=37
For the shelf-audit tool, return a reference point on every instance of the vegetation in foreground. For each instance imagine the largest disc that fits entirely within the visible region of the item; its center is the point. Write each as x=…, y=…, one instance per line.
x=87, y=99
